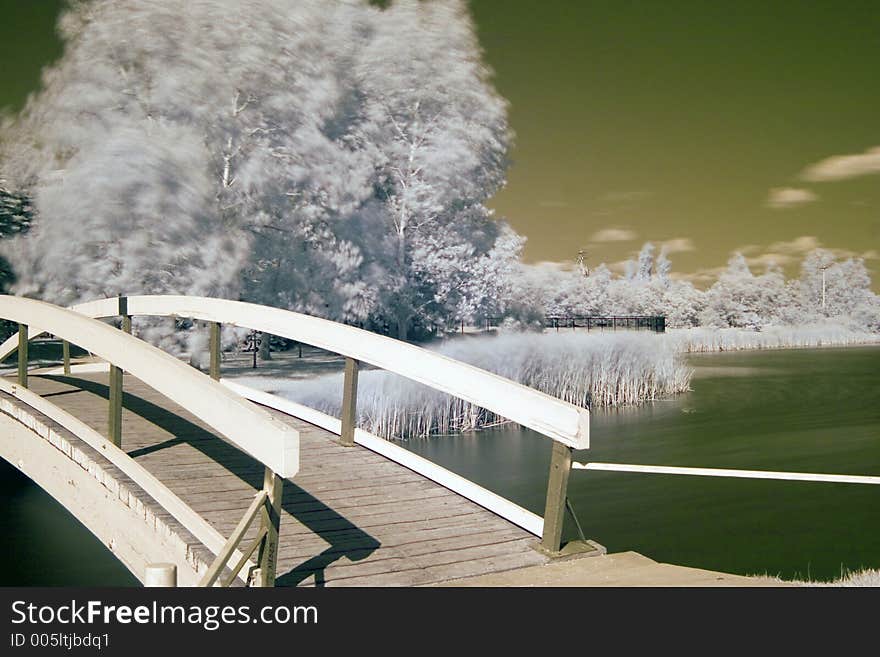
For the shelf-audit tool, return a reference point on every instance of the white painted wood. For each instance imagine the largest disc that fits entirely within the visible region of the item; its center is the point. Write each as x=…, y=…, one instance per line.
x=721, y=472
x=547, y=415
x=271, y=442
x=80, y=486
x=160, y=575
x=11, y=344
x=183, y=513
x=227, y=551
x=514, y=513
x=79, y=368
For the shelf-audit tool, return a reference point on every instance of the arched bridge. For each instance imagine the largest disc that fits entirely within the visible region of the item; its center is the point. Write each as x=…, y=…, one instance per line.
x=166, y=464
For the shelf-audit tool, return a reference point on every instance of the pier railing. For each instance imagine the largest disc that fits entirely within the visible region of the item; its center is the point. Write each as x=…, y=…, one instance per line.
x=656, y=323
x=565, y=424
x=611, y=322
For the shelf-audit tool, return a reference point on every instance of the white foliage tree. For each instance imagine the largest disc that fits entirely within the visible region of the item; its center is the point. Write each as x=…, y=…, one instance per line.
x=645, y=267
x=438, y=137
x=328, y=157
x=164, y=142
x=847, y=287
x=735, y=298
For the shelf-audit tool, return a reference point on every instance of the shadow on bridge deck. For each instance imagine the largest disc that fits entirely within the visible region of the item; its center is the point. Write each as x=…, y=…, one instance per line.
x=349, y=517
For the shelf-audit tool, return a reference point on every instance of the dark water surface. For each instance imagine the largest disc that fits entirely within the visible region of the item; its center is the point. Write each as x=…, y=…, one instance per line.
x=799, y=410
x=45, y=545
x=814, y=410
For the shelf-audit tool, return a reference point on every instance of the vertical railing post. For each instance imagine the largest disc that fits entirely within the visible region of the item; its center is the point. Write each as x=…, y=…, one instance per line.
x=23, y=355
x=214, y=348
x=271, y=522
x=349, y=402
x=557, y=491
x=123, y=312
x=160, y=575
x=65, y=355
x=114, y=420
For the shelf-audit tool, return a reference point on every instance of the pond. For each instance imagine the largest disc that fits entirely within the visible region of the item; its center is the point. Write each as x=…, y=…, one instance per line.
x=814, y=410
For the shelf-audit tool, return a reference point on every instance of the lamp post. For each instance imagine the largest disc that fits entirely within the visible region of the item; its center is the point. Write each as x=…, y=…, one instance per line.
x=823, y=268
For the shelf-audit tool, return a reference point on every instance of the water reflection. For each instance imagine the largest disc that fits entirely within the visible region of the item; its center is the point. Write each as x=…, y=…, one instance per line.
x=800, y=410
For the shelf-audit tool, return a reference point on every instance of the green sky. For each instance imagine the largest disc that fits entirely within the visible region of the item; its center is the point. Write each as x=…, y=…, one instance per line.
x=654, y=120
x=676, y=119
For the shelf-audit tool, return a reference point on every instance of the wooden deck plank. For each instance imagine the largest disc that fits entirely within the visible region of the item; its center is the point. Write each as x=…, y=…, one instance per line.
x=349, y=516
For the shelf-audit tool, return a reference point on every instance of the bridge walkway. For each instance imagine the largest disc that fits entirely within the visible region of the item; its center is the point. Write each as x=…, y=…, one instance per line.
x=350, y=517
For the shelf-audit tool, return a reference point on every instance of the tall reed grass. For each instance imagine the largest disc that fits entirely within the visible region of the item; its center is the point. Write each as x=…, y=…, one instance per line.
x=773, y=337
x=583, y=369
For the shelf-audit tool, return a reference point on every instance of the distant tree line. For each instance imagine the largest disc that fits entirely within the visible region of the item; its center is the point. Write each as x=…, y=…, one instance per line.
x=739, y=298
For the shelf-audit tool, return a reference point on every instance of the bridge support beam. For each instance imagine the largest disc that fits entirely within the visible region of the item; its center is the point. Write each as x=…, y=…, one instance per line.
x=267, y=559
x=23, y=355
x=349, y=402
x=214, y=349
x=114, y=420
x=65, y=355
x=123, y=312
x=557, y=493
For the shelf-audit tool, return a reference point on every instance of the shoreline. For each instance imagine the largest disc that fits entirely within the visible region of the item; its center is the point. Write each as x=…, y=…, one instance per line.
x=855, y=345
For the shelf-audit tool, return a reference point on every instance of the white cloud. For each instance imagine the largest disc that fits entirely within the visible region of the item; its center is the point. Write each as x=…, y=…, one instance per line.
x=677, y=245
x=614, y=235
x=779, y=253
x=786, y=253
x=786, y=197
x=618, y=267
x=798, y=246
x=749, y=248
x=552, y=265
x=704, y=275
x=770, y=258
x=840, y=167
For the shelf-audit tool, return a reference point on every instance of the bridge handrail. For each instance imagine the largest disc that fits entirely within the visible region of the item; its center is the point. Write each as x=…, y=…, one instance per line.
x=501, y=506
x=195, y=524
x=554, y=418
x=254, y=430
x=728, y=472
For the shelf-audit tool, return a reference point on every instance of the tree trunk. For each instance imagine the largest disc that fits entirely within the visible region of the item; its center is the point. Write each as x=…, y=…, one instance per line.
x=265, y=353
x=403, y=314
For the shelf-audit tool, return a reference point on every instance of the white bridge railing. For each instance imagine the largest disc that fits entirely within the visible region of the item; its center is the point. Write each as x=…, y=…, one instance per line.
x=567, y=425
x=273, y=443
x=725, y=472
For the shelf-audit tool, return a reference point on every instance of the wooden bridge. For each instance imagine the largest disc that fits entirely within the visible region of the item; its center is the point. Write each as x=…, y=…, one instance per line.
x=191, y=479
